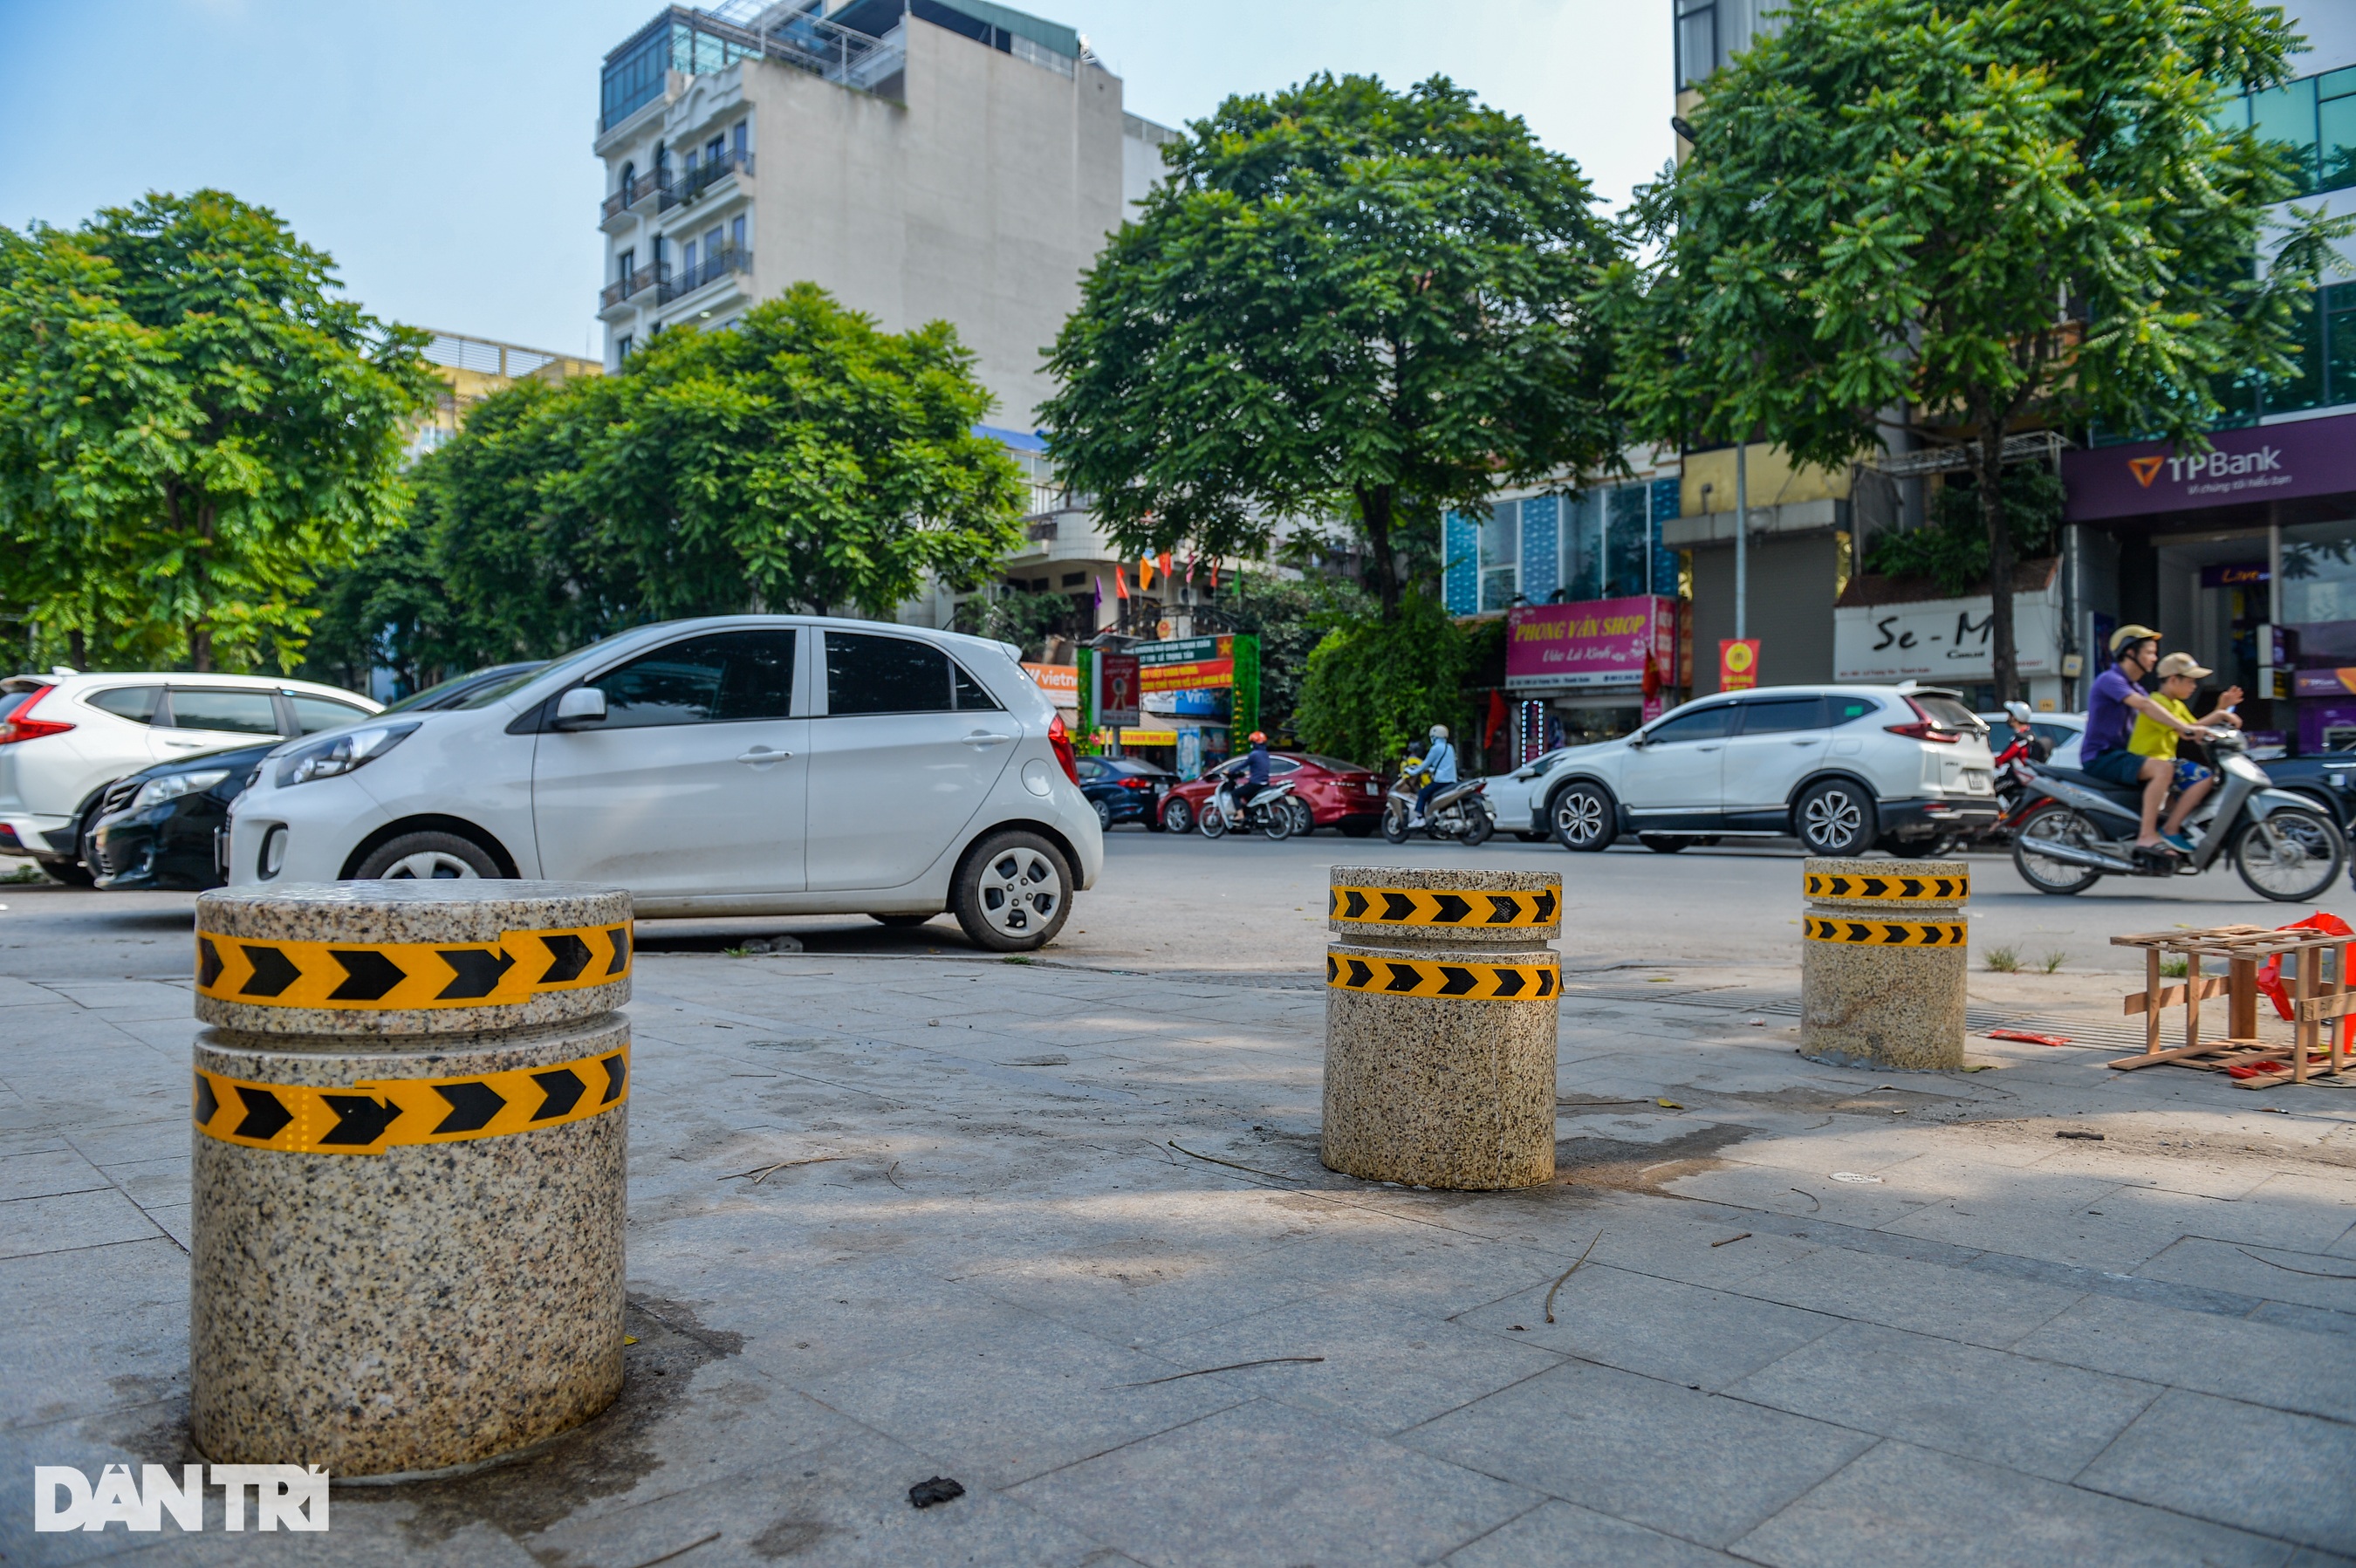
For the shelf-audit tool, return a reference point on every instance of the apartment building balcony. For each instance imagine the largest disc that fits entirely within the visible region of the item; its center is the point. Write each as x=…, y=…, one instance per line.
x=638, y=195
x=681, y=281
x=621, y=294
x=712, y=171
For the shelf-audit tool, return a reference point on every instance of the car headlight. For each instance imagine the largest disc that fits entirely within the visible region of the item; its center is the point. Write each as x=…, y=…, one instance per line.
x=172, y=786
x=343, y=753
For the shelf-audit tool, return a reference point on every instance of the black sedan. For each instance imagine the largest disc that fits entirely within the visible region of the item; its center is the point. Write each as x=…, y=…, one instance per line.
x=159, y=828
x=1125, y=789
x=2329, y=778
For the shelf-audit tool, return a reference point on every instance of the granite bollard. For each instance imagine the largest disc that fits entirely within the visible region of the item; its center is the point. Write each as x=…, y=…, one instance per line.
x=411, y=1122
x=1439, y=1025
x=1883, y=960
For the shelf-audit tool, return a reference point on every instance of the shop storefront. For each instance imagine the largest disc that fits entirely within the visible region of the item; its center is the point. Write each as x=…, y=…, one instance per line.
x=1180, y=703
x=2243, y=556
x=1889, y=629
x=1582, y=672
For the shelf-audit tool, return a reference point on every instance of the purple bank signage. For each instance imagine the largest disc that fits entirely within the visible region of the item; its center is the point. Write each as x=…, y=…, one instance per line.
x=2272, y=463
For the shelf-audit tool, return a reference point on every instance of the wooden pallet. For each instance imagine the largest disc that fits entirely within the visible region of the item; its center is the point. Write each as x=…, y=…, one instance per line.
x=2242, y=949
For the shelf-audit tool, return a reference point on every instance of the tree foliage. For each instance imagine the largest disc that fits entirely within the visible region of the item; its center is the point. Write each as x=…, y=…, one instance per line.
x=1375, y=686
x=1952, y=550
x=1344, y=301
x=193, y=427
x=801, y=460
x=1955, y=217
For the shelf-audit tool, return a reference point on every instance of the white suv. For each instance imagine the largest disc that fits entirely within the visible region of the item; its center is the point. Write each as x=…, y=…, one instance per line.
x=745, y=765
x=65, y=738
x=1843, y=768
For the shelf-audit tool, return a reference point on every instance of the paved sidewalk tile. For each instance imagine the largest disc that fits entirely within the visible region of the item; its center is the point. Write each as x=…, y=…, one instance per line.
x=1660, y=1328
x=1564, y=1535
x=69, y=1220
x=1265, y=1485
x=2286, y=1476
x=2237, y=1359
x=1902, y=1292
x=1611, y=1440
x=1905, y=1504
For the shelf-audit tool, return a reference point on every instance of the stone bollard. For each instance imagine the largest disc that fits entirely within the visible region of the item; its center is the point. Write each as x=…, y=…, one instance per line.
x=1883, y=962
x=1439, y=1025
x=411, y=1124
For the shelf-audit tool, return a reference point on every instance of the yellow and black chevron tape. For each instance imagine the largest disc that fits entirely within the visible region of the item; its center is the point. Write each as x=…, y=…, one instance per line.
x=1430, y=977
x=1901, y=889
x=1424, y=906
x=370, y=1117
x=1886, y=933
x=380, y=975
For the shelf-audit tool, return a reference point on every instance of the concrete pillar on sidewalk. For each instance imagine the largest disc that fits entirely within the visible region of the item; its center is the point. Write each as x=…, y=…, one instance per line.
x=1439, y=1025
x=1883, y=962
x=410, y=1128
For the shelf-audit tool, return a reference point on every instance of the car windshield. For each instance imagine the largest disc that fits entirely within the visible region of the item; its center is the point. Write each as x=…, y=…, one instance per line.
x=438, y=696
x=1946, y=713
x=498, y=689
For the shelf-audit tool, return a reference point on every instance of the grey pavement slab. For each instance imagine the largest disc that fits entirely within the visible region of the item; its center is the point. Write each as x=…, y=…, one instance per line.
x=1661, y=1328
x=2243, y=1465
x=2234, y=1357
x=1564, y=1535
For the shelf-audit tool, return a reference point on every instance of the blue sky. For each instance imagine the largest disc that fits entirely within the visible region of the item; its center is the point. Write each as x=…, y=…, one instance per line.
x=439, y=149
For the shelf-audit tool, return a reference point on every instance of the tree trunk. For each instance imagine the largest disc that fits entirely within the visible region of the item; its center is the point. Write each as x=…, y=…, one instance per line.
x=77, y=649
x=1382, y=574
x=1988, y=463
x=201, y=647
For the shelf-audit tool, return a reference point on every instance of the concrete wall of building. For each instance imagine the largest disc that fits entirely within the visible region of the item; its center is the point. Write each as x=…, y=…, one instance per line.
x=1792, y=584
x=1771, y=477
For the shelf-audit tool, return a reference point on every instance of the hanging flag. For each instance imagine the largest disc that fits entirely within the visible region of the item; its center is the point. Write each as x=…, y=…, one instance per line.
x=1214, y=574
x=1161, y=564
x=1120, y=581
x=1190, y=568
x=1098, y=591
x=1144, y=573
x=1496, y=719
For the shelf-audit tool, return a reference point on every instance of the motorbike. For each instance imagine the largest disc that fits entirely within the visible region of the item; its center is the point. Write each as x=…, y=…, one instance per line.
x=1458, y=810
x=2069, y=829
x=1271, y=810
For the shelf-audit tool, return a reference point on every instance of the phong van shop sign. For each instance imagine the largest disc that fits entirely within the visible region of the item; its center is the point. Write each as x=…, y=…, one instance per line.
x=1599, y=644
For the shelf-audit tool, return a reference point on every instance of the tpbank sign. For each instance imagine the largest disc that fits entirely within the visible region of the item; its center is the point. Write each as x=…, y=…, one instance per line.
x=2271, y=463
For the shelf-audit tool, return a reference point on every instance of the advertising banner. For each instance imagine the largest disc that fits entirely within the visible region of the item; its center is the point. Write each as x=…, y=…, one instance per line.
x=1187, y=664
x=1112, y=688
x=1945, y=639
x=2269, y=463
x=1597, y=645
x=1738, y=663
x=1060, y=682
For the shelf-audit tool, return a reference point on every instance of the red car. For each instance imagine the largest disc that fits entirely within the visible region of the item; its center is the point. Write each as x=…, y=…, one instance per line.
x=1338, y=794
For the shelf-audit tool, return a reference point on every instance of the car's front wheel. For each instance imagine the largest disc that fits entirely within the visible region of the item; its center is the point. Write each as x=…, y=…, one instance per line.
x=1013, y=893
x=1584, y=819
x=1177, y=816
x=426, y=857
x=1836, y=817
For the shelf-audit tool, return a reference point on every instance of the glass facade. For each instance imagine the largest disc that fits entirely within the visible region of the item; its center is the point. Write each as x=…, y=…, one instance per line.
x=634, y=73
x=2312, y=120
x=1570, y=547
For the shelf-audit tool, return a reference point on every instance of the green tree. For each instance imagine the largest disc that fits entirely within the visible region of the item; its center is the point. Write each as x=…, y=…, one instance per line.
x=193, y=427
x=1955, y=218
x=1375, y=686
x=1343, y=301
x=1953, y=549
x=1290, y=617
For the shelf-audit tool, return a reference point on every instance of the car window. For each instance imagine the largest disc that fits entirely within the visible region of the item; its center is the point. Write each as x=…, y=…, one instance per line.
x=1848, y=710
x=1781, y=715
x=11, y=701
x=868, y=674
x=722, y=677
x=136, y=703
x=1091, y=769
x=1702, y=724
x=971, y=694
x=1282, y=764
x=242, y=712
x=312, y=715
x=2055, y=736
x=1947, y=714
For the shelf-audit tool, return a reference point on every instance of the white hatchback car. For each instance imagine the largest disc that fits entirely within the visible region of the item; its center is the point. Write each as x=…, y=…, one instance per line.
x=745, y=765
x=65, y=738
x=1842, y=768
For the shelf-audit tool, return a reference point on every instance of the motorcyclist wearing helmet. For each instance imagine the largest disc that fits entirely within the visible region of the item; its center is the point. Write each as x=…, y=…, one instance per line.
x=1244, y=784
x=2032, y=745
x=1438, y=770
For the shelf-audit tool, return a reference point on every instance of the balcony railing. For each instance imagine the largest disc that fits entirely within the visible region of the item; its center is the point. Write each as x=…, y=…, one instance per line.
x=684, y=281
x=635, y=191
x=704, y=176
x=621, y=289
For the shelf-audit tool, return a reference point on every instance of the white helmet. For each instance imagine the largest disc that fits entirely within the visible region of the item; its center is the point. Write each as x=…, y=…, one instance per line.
x=1440, y=731
x=2017, y=709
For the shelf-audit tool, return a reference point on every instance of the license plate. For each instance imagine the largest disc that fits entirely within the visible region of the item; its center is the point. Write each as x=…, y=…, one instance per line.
x=1374, y=790
x=1978, y=780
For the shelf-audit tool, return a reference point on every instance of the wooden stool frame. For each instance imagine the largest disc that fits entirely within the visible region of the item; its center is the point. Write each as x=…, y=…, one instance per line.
x=2240, y=949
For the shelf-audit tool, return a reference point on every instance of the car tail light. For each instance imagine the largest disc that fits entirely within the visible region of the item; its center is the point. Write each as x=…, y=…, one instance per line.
x=1061, y=739
x=18, y=727
x=1133, y=782
x=1923, y=727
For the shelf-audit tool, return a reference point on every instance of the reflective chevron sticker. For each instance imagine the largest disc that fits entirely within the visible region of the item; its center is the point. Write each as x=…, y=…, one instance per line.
x=1886, y=933
x=1458, y=982
x=1901, y=889
x=378, y=975
x=370, y=1117
x=1424, y=906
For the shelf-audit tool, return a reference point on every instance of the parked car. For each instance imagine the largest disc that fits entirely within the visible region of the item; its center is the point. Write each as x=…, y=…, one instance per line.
x=2329, y=778
x=167, y=826
x=2063, y=732
x=1125, y=789
x=1337, y=794
x=742, y=765
x=65, y=738
x=1842, y=768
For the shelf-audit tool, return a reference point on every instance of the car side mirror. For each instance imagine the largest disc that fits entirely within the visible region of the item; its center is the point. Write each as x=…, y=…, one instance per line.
x=1639, y=741
x=582, y=705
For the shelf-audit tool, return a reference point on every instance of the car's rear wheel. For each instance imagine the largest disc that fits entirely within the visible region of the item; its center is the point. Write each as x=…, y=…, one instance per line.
x=1177, y=816
x=1584, y=819
x=72, y=872
x=1836, y=817
x=1013, y=893
x=1104, y=814
x=426, y=857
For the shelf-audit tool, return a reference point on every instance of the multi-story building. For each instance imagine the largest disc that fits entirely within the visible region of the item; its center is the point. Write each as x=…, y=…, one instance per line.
x=472, y=369
x=920, y=159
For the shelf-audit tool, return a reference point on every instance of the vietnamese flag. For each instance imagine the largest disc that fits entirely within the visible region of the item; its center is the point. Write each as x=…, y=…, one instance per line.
x=1120, y=581
x=1161, y=564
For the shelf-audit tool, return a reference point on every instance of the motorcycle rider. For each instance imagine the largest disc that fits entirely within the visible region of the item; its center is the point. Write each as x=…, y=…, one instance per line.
x=1244, y=784
x=1438, y=770
x=2179, y=679
x=2032, y=745
x=2111, y=708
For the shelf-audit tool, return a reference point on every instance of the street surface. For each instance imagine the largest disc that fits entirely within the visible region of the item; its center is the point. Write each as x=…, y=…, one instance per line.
x=1828, y=1317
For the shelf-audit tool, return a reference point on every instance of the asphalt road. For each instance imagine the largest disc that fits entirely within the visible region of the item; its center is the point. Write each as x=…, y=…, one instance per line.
x=1191, y=903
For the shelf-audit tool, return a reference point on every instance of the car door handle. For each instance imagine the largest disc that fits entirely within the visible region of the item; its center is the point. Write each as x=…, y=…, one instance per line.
x=184, y=745
x=1704, y=748
x=1805, y=740
x=985, y=738
x=761, y=754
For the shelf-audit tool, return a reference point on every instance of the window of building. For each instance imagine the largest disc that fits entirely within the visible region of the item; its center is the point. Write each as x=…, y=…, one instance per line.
x=716, y=150
x=2312, y=120
x=629, y=179
x=736, y=232
x=626, y=266
x=1501, y=556
x=687, y=264
x=662, y=261
x=741, y=138
x=687, y=166
x=622, y=346
x=712, y=241
x=1697, y=44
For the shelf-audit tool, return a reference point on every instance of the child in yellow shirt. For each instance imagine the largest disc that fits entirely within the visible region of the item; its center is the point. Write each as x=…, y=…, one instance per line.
x=2179, y=678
